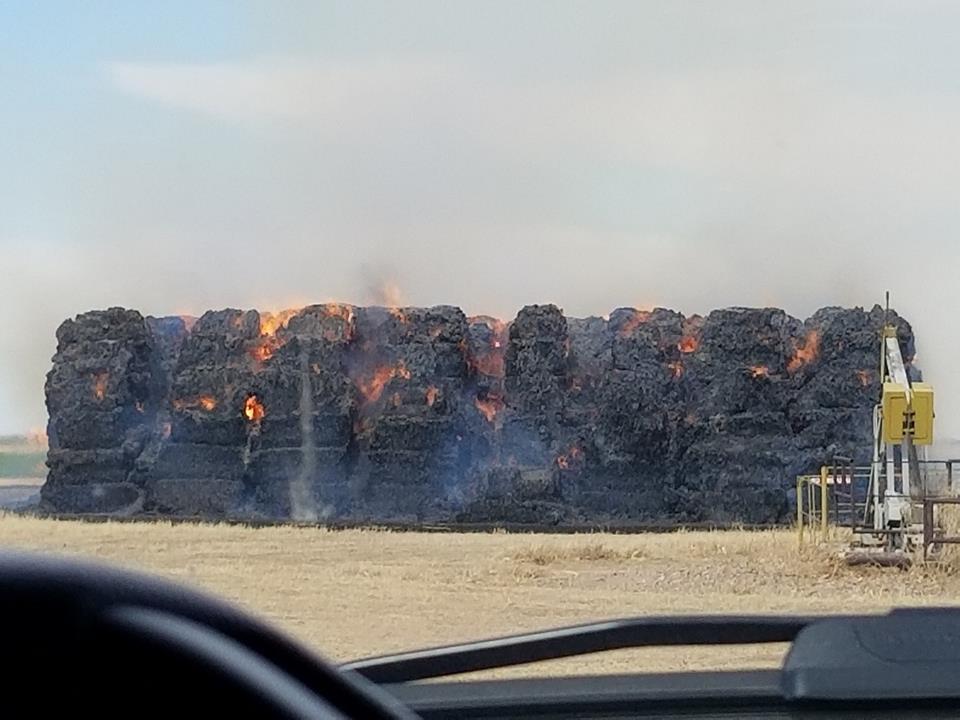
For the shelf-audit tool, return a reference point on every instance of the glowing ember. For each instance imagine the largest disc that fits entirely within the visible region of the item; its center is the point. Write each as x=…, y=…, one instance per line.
x=759, y=371
x=564, y=461
x=676, y=368
x=372, y=387
x=253, y=409
x=100, y=385
x=634, y=321
x=489, y=406
x=207, y=402
x=865, y=377
x=265, y=350
x=688, y=344
x=806, y=352
x=431, y=395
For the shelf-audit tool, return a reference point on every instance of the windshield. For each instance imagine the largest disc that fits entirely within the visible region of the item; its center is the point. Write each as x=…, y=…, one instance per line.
x=406, y=325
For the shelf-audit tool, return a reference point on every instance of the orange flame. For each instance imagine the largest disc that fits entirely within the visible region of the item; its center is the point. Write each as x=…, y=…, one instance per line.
x=269, y=343
x=207, y=402
x=634, y=321
x=489, y=406
x=271, y=322
x=806, y=352
x=399, y=315
x=864, y=376
x=759, y=371
x=431, y=395
x=253, y=409
x=372, y=388
x=688, y=344
x=100, y=385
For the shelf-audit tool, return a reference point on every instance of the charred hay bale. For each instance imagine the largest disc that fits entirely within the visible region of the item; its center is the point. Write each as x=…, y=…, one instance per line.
x=169, y=334
x=121, y=498
x=384, y=413
x=536, y=363
x=206, y=462
x=102, y=393
x=303, y=483
x=87, y=467
x=728, y=479
x=193, y=497
x=104, y=380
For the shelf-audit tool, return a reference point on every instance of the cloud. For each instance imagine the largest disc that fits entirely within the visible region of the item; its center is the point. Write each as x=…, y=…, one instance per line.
x=796, y=126
x=327, y=95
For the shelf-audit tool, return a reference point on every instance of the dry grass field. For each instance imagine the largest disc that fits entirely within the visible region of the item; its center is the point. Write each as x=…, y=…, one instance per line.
x=354, y=593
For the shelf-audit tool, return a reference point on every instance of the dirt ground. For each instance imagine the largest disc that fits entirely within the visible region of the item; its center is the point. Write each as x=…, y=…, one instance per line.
x=355, y=593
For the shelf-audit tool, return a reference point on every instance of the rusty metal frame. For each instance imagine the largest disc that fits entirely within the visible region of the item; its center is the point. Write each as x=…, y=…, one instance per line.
x=929, y=539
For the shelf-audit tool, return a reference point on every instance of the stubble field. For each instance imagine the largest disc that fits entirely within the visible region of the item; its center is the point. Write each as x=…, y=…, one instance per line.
x=354, y=593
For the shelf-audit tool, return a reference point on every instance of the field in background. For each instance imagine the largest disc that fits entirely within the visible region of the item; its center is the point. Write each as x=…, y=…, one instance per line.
x=354, y=593
x=22, y=457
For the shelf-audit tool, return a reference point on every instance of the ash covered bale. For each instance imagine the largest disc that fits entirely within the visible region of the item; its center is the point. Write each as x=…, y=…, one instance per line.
x=739, y=389
x=103, y=394
x=299, y=463
x=410, y=373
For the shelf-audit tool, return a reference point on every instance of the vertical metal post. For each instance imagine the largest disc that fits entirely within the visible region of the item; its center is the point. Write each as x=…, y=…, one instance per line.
x=905, y=467
x=891, y=484
x=927, y=525
x=800, y=510
x=823, y=502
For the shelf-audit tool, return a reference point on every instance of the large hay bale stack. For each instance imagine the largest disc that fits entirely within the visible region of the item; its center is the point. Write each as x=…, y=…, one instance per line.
x=333, y=411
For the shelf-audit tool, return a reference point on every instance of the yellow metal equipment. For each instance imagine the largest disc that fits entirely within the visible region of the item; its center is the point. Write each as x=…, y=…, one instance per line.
x=907, y=411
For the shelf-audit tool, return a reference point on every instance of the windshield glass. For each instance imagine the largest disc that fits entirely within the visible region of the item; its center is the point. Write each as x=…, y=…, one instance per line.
x=406, y=325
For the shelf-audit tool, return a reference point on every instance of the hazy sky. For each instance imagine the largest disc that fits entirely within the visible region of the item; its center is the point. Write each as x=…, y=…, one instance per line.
x=180, y=156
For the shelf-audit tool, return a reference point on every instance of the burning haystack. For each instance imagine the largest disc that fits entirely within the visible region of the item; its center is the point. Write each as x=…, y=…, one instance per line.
x=335, y=411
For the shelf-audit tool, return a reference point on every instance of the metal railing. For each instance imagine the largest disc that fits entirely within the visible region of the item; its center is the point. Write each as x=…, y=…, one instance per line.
x=840, y=496
x=933, y=535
